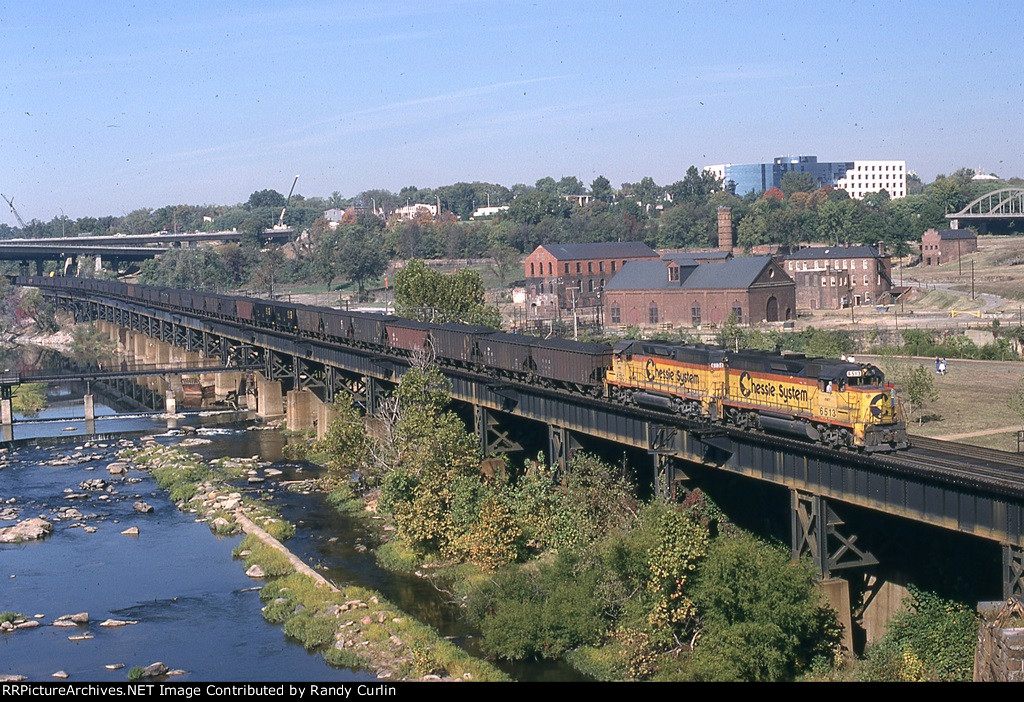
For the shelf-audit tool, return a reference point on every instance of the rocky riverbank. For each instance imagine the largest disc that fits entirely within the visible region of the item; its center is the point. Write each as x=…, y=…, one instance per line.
x=352, y=626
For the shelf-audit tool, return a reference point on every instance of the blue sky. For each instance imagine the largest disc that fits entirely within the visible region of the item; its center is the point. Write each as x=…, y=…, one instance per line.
x=107, y=106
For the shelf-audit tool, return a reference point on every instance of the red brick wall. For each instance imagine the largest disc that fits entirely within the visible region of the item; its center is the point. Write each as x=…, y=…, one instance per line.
x=675, y=307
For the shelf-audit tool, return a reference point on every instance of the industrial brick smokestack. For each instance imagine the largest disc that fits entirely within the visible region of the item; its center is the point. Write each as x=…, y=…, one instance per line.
x=725, y=239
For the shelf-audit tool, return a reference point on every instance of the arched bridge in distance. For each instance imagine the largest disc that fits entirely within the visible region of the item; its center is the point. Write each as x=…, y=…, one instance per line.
x=853, y=514
x=1004, y=207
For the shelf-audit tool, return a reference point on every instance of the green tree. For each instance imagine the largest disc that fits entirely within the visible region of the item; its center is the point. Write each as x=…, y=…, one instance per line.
x=918, y=389
x=89, y=345
x=761, y=617
x=836, y=220
x=797, y=182
x=1016, y=400
x=601, y=189
x=428, y=295
x=427, y=455
x=265, y=198
x=346, y=445
x=361, y=255
x=505, y=261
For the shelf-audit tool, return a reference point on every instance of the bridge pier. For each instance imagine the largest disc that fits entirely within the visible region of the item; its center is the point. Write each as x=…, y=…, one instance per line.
x=226, y=383
x=300, y=412
x=89, y=405
x=269, y=399
x=325, y=414
x=6, y=410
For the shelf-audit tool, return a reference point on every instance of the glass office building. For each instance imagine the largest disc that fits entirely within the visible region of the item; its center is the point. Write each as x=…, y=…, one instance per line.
x=744, y=178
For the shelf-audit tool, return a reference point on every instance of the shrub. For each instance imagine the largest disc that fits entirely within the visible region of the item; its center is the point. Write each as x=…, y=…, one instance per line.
x=933, y=640
x=762, y=617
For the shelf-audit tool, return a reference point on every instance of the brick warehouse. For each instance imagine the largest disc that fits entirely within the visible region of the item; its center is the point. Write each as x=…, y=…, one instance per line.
x=940, y=246
x=685, y=293
x=559, y=276
x=831, y=277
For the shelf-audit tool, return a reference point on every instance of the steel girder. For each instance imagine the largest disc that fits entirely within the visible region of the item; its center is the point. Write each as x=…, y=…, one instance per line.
x=494, y=439
x=815, y=532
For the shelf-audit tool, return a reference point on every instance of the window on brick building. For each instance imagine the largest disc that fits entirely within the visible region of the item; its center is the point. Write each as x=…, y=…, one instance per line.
x=737, y=310
x=652, y=313
x=549, y=268
x=531, y=270
x=695, y=313
x=616, y=314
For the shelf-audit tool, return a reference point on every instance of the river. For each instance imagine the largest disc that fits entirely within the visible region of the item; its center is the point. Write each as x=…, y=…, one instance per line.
x=196, y=609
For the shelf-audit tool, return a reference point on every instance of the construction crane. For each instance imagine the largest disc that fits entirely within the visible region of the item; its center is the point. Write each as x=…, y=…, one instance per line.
x=280, y=220
x=10, y=203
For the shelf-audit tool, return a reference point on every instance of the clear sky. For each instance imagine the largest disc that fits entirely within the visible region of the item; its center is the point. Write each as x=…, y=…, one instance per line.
x=109, y=106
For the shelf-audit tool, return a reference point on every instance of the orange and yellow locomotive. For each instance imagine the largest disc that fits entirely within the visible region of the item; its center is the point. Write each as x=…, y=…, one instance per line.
x=839, y=403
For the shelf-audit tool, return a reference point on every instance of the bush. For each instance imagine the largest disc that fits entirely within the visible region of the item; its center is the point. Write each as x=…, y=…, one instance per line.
x=933, y=640
x=541, y=612
x=762, y=617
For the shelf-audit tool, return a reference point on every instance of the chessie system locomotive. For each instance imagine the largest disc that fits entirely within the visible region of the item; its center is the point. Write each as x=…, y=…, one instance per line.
x=838, y=403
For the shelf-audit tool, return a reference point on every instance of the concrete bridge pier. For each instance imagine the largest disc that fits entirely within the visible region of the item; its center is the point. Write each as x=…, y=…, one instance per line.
x=162, y=352
x=269, y=398
x=300, y=409
x=6, y=410
x=325, y=414
x=225, y=383
x=89, y=405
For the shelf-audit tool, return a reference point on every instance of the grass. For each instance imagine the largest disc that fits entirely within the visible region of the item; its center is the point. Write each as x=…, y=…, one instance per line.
x=398, y=556
x=973, y=396
x=11, y=617
x=367, y=631
x=182, y=473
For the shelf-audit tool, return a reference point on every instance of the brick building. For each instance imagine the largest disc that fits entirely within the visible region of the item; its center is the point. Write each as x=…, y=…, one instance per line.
x=686, y=293
x=833, y=277
x=940, y=246
x=561, y=276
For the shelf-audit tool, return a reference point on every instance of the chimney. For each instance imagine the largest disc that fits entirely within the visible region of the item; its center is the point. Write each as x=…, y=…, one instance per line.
x=725, y=239
x=881, y=248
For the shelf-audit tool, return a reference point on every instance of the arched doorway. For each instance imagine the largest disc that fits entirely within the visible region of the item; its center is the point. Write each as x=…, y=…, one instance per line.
x=771, y=313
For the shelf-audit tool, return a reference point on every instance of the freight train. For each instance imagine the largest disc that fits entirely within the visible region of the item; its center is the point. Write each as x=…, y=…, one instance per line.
x=838, y=403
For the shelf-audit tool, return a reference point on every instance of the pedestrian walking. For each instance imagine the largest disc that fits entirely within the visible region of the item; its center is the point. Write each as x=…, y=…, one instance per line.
x=942, y=367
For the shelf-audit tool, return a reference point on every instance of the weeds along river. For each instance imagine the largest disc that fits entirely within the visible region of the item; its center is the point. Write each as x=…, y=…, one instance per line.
x=195, y=608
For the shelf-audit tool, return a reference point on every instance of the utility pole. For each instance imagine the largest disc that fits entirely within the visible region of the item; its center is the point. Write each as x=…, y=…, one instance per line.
x=972, y=278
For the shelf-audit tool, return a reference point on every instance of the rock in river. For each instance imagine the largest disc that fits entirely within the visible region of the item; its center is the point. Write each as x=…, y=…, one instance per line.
x=28, y=530
x=143, y=507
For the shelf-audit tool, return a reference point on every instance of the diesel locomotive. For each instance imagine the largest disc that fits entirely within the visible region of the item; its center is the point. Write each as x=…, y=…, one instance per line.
x=838, y=403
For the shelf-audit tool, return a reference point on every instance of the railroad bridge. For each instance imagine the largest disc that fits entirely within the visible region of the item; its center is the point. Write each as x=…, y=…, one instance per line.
x=981, y=495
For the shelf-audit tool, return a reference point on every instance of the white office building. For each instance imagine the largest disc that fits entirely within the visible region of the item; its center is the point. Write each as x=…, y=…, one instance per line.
x=872, y=176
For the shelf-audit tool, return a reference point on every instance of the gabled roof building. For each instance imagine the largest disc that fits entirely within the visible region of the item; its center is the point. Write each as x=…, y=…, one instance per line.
x=567, y=276
x=682, y=292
